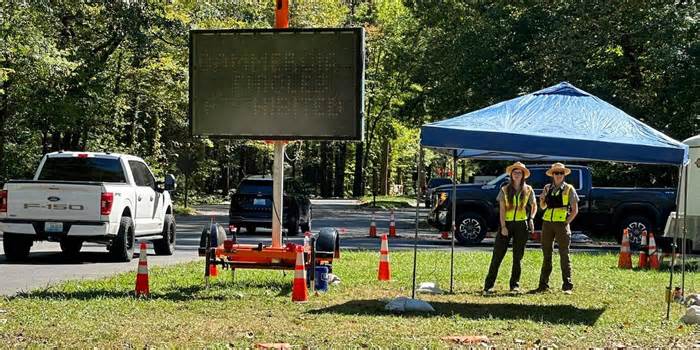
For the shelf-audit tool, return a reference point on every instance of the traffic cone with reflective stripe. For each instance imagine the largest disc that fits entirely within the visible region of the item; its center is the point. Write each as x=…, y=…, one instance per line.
x=643, y=257
x=653, y=253
x=625, y=260
x=299, y=292
x=384, y=270
x=372, y=228
x=392, y=225
x=142, y=274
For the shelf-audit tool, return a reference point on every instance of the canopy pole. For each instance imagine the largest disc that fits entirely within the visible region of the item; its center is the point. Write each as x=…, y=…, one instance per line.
x=419, y=168
x=674, y=228
x=685, y=229
x=454, y=213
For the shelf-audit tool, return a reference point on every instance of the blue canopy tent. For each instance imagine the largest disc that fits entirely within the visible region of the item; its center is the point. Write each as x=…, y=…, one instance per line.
x=559, y=123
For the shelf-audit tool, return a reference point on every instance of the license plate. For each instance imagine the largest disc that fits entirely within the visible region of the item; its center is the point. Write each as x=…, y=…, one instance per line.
x=259, y=201
x=53, y=226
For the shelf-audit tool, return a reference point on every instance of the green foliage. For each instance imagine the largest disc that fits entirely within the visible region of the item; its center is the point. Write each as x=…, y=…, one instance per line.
x=114, y=76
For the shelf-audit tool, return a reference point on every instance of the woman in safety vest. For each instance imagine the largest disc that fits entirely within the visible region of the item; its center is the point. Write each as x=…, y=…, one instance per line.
x=516, y=220
x=560, y=203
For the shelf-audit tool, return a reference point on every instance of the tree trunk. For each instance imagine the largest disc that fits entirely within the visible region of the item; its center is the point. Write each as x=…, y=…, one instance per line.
x=339, y=190
x=326, y=171
x=384, y=169
x=358, y=184
x=463, y=177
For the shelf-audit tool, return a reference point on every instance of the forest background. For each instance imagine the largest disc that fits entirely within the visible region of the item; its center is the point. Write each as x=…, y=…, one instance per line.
x=113, y=76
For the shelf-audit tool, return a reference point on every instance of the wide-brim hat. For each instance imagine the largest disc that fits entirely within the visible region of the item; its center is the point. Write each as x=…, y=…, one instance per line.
x=518, y=165
x=558, y=167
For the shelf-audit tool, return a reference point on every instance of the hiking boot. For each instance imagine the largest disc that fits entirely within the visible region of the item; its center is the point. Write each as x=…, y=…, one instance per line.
x=540, y=289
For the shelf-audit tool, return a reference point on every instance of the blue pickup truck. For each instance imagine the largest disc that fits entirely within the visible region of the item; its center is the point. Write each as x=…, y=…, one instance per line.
x=602, y=210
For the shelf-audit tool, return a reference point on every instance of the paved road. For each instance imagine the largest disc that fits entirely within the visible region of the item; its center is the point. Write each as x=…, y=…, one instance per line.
x=46, y=264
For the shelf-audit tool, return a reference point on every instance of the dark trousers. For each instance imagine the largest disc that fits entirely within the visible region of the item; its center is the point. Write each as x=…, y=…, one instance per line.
x=561, y=232
x=517, y=230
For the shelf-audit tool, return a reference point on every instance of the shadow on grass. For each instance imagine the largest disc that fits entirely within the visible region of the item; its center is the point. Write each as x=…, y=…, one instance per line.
x=217, y=292
x=561, y=314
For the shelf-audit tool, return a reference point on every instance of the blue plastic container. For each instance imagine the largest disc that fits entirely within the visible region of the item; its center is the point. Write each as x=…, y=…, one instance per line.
x=321, y=279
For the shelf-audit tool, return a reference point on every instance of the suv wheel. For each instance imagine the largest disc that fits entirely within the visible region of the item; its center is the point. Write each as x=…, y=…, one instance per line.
x=122, y=247
x=16, y=246
x=166, y=245
x=71, y=247
x=293, y=226
x=634, y=224
x=471, y=228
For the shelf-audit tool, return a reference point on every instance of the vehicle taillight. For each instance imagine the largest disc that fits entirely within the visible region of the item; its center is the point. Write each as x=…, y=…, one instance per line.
x=106, y=202
x=3, y=201
x=82, y=155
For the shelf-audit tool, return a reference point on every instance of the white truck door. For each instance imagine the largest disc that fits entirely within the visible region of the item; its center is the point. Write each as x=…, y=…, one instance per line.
x=145, y=198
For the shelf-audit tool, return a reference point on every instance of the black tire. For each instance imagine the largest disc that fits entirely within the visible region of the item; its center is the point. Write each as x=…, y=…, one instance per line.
x=71, y=247
x=122, y=248
x=634, y=224
x=166, y=245
x=471, y=228
x=306, y=227
x=293, y=226
x=16, y=246
x=250, y=229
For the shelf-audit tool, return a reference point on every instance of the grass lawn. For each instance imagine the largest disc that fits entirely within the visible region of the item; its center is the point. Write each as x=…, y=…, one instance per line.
x=388, y=202
x=610, y=307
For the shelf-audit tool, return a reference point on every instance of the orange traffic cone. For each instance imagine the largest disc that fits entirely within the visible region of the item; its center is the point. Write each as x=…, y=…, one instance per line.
x=653, y=253
x=372, y=228
x=643, y=258
x=392, y=225
x=384, y=270
x=625, y=260
x=444, y=235
x=142, y=274
x=299, y=292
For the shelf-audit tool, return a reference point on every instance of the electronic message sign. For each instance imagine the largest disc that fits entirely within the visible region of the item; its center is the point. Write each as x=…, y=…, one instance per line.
x=277, y=84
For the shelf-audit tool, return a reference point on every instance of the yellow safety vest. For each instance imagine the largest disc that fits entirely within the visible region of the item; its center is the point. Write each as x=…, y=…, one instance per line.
x=517, y=212
x=559, y=214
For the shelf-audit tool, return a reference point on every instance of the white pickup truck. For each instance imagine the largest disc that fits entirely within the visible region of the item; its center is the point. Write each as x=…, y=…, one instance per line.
x=78, y=197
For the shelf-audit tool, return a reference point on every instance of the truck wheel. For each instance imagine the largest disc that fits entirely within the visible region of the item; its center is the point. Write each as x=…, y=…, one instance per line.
x=634, y=224
x=471, y=228
x=293, y=226
x=16, y=246
x=122, y=248
x=71, y=247
x=250, y=229
x=166, y=245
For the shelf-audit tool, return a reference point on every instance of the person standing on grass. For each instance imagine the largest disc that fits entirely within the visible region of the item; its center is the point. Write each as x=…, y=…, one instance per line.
x=517, y=207
x=560, y=201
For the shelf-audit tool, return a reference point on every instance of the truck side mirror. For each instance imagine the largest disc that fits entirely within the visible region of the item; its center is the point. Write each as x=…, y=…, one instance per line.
x=170, y=184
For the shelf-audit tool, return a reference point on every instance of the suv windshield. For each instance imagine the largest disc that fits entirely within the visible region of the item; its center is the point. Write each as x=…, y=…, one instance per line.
x=82, y=169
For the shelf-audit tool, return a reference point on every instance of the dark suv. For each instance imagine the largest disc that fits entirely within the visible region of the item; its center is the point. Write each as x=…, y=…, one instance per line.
x=251, y=206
